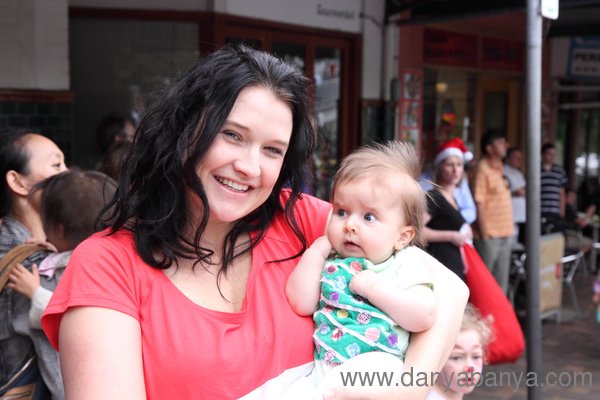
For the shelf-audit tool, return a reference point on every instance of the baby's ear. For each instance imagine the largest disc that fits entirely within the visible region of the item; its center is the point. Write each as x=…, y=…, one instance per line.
x=407, y=234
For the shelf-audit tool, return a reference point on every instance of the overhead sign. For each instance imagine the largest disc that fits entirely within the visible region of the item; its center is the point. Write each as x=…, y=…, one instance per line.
x=343, y=15
x=550, y=9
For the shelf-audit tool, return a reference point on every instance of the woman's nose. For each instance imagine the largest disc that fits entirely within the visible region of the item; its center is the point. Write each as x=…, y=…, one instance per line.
x=248, y=164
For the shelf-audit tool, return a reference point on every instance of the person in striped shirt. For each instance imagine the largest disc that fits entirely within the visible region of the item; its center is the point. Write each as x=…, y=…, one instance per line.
x=553, y=181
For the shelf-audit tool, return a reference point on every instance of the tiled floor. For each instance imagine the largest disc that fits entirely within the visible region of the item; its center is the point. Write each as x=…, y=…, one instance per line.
x=570, y=357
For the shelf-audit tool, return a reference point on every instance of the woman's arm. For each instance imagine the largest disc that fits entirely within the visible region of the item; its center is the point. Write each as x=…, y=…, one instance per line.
x=303, y=287
x=100, y=355
x=436, y=236
x=428, y=350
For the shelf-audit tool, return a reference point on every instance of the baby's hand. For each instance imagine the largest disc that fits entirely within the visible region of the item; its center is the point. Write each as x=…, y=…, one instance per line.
x=323, y=246
x=362, y=282
x=23, y=281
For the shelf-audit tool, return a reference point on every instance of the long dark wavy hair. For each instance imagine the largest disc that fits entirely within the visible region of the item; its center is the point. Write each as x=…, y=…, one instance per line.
x=172, y=140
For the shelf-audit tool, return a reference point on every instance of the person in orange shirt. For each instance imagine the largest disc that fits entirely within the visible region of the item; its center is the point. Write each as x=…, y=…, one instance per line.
x=493, y=228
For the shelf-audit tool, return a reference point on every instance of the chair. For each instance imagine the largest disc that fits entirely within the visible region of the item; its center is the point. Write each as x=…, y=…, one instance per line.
x=570, y=264
x=517, y=273
x=575, y=243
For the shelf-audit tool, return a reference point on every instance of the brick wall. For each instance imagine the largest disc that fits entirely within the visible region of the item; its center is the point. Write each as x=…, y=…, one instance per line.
x=49, y=113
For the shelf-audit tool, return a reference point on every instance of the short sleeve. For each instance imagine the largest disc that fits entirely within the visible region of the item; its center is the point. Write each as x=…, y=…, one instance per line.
x=101, y=273
x=479, y=184
x=414, y=271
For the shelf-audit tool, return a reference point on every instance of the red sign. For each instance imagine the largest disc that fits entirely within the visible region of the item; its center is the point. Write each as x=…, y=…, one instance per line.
x=449, y=48
x=502, y=54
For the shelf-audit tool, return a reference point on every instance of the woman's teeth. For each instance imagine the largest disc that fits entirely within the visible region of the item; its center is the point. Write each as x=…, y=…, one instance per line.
x=233, y=185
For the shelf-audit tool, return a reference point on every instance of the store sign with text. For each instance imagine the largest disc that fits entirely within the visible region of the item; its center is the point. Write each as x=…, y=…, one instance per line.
x=584, y=60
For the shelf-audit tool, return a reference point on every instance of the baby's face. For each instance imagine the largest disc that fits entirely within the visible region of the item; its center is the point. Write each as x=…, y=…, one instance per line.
x=367, y=221
x=463, y=369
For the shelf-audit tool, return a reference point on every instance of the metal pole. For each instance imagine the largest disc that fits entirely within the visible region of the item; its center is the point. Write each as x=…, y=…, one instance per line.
x=534, y=90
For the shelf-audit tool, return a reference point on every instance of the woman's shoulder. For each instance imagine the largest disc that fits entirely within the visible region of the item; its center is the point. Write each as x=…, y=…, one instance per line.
x=12, y=233
x=309, y=213
x=304, y=200
x=120, y=240
x=306, y=206
x=435, y=198
x=107, y=248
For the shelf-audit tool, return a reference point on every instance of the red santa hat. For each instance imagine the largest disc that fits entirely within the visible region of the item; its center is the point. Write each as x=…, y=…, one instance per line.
x=452, y=147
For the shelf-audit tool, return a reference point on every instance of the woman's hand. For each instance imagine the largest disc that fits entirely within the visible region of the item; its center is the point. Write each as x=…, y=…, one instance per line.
x=23, y=281
x=466, y=231
x=47, y=245
x=457, y=238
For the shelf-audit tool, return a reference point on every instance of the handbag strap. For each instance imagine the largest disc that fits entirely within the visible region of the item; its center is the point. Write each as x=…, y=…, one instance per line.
x=16, y=255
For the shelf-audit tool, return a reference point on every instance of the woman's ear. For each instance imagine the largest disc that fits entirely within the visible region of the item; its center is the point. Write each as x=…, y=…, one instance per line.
x=407, y=234
x=14, y=180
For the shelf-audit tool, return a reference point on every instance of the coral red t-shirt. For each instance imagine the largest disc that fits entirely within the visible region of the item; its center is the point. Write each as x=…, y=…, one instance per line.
x=190, y=352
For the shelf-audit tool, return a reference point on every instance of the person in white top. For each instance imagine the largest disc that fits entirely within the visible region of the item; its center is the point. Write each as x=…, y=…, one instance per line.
x=516, y=180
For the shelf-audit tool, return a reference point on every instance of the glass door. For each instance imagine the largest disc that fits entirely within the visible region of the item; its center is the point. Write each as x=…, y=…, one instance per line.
x=499, y=109
x=328, y=66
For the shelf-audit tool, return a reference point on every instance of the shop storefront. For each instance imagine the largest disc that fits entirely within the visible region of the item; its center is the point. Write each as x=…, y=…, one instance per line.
x=576, y=72
x=71, y=63
x=471, y=80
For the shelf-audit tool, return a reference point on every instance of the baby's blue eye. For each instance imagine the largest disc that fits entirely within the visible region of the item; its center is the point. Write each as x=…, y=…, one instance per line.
x=369, y=217
x=341, y=213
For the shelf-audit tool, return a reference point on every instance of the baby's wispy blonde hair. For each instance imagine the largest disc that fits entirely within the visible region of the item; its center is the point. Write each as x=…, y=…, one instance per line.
x=378, y=161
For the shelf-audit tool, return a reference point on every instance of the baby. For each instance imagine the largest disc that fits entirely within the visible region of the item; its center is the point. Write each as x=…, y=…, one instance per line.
x=374, y=290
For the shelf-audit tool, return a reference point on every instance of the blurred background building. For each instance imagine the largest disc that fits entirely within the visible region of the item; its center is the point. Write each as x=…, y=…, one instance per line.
x=418, y=70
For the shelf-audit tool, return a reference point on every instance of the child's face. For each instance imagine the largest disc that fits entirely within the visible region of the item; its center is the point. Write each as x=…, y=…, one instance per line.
x=463, y=369
x=367, y=220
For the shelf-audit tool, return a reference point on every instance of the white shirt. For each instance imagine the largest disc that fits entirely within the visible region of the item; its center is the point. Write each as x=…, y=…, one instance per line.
x=516, y=181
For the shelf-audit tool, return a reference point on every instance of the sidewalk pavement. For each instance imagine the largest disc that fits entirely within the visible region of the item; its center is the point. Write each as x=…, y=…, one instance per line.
x=570, y=357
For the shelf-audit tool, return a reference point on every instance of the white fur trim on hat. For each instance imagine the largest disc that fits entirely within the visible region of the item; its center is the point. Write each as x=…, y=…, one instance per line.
x=452, y=151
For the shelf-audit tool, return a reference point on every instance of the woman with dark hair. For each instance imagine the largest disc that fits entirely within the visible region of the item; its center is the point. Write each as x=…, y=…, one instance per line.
x=183, y=296
x=26, y=158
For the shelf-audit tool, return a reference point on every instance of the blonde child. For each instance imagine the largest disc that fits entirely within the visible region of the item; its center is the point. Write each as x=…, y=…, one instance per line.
x=69, y=204
x=373, y=290
x=462, y=371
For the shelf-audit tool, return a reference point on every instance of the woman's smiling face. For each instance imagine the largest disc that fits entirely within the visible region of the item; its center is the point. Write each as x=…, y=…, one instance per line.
x=241, y=167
